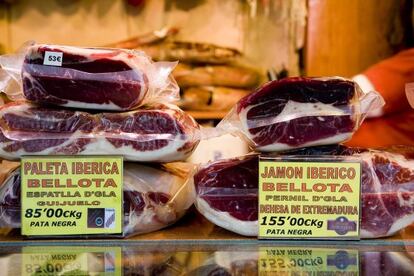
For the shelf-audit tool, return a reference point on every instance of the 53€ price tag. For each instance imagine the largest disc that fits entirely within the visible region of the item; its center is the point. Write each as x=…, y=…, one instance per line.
x=73, y=195
x=53, y=58
x=316, y=200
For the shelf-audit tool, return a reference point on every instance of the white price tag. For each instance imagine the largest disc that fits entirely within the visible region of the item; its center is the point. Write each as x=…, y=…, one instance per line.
x=53, y=58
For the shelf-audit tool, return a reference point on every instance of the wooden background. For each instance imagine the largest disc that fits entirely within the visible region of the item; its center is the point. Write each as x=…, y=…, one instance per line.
x=268, y=34
x=343, y=37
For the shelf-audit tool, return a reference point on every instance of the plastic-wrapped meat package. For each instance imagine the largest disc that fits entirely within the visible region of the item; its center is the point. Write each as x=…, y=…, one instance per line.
x=210, y=98
x=191, y=52
x=154, y=197
x=300, y=112
x=215, y=75
x=227, y=190
x=160, y=132
x=340, y=261
x=92, y=78
x=227, y=194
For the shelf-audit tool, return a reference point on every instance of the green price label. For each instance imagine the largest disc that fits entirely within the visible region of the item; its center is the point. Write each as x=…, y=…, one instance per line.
x=71, y=260
x=309, y=199
x=73, y=195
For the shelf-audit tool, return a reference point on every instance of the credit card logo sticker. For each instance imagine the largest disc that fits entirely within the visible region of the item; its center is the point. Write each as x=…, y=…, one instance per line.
x=101, y=218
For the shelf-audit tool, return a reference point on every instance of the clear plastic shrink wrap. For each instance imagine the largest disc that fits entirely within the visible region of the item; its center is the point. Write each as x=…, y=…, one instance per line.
x=227, y=190
x=155, y=196
x=156, y=133
x=90, y=78
x=300, y=112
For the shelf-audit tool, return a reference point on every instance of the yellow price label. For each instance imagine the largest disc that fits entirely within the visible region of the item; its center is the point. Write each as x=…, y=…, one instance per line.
x=309, y=199
x=310, y=261
x=71, y=260
x=73, y=195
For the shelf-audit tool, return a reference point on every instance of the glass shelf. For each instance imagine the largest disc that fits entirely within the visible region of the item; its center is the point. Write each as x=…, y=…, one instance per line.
x=194, y=246
x=128, y=258
x=193, y=229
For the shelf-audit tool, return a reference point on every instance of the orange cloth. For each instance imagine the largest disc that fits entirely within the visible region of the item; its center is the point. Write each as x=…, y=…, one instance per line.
x=396, y=126
x=389, y=78
x=395, y=129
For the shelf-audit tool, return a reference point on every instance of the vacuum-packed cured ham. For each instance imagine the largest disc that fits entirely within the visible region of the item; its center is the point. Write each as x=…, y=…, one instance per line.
x=300, y=112
x=154, y=197
x=215, y=75
x=91, y=78
x=210, y=98
x=227, y=190
x=160, y=132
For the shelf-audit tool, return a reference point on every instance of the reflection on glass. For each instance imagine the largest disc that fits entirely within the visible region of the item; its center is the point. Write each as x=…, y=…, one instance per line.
x=144, y=259
x=71, y=260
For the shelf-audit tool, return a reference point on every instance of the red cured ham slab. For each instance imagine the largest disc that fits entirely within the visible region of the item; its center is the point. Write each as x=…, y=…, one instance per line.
x=387, y=190
x=300, y=112
x=154, y=197
x=94, y=78
x=159, y=132
x=227, y=194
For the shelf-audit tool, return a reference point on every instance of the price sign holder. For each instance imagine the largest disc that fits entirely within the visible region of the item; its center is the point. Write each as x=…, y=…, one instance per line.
x=309, y=261
x=71, y=260
x=309, y=198
x=72, y=195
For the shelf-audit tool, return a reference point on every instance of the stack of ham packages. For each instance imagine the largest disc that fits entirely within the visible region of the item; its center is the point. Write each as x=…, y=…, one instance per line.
x=211, y=77
x=307, y=117
x=100, y=101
